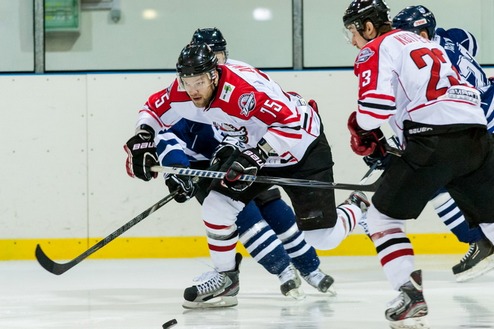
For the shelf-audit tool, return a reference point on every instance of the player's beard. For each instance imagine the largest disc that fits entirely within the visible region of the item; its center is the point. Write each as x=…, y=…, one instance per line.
x=205, y=98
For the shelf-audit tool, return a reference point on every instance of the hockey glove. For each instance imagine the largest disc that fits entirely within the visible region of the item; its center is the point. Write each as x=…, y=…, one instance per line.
x=222, y=152
x=141, y=155
x=366, y=142
x=184, y=185
x=248, y=162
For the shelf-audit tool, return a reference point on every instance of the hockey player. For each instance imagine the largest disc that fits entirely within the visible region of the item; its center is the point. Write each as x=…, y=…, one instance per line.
x=459, y=45
x=269, y=132
x=257, y=222
x=410, y=83
x=255, y=227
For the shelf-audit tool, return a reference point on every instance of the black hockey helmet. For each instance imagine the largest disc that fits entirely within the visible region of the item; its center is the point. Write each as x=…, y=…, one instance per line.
x=360, y=11
x=196, y=59
x=415, y=19
x=212, y=36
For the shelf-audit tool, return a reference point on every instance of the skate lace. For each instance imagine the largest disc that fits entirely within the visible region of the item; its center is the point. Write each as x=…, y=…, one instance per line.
x=469, y=253
x=288, y=274
x=211, y=281
x=205, y=276
x=315, y=278
x=398, y=302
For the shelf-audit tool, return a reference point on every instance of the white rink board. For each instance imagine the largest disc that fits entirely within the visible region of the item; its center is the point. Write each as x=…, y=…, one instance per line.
x=63, y=173
x=44, y=156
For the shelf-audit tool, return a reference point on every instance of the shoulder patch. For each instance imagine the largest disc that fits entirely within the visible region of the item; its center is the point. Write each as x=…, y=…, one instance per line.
x=226, y=92
x=364, y=55
x=247, y=102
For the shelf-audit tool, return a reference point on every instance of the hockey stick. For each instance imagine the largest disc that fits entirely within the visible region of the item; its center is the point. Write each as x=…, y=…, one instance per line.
x=393, y=150
x=59, y=268
x=268, y=179
x=368, y=174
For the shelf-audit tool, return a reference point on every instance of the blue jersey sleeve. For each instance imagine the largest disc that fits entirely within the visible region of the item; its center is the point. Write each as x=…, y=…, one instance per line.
x=186, y=142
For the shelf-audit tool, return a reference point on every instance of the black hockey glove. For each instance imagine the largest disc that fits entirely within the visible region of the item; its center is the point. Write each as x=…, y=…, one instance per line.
x=141, y=154
x=222, y=153
x=185, y=186
x=248, y=162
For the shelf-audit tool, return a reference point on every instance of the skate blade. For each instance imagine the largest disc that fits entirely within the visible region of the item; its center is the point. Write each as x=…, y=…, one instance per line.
x=331, y=291
x=480, y=269
x=218, y=302
x=410, y=323
x=297, y=294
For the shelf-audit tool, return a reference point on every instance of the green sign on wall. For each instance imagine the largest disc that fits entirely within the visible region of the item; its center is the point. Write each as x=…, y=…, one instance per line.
x=62, y=15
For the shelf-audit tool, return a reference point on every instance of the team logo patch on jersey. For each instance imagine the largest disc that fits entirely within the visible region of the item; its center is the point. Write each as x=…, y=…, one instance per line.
x=226, y=92
x=364, y=55
x=247, y=102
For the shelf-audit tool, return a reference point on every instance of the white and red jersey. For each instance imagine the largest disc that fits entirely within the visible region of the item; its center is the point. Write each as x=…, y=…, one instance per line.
x=403, y=76
x=247, y=106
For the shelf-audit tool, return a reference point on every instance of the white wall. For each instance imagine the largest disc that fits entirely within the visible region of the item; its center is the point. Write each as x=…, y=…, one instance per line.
x=138, y=43
x=62, y=169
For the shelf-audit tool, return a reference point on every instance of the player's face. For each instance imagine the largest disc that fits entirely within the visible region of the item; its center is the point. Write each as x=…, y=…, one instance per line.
x=354, y=37
x=199, y=88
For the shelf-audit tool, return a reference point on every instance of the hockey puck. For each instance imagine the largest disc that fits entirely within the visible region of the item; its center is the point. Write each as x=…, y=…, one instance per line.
x=169, y=324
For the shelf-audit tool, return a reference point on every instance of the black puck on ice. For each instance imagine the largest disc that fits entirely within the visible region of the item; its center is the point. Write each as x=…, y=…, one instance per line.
x=169, y=324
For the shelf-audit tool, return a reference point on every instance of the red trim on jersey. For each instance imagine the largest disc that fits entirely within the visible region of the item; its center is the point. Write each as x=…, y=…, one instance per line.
x=380, y=96
x=375, y=115
x=160, y=103
x=439, y=100
x=267, y=110
x=292, y=119
x=396, y=254
x=369, y=82
x=285, y=134
x=154, y=116
x=308, y=119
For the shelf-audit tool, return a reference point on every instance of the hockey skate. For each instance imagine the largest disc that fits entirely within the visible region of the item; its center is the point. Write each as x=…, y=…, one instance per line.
x=290, y=283
x=359, y=199
x=218, y=289
x=408, y=310
x=478, y=260
x=321, y=281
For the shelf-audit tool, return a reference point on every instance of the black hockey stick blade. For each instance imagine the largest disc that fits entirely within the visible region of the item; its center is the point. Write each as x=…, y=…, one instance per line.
x=268, y=179
x=60, y=268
